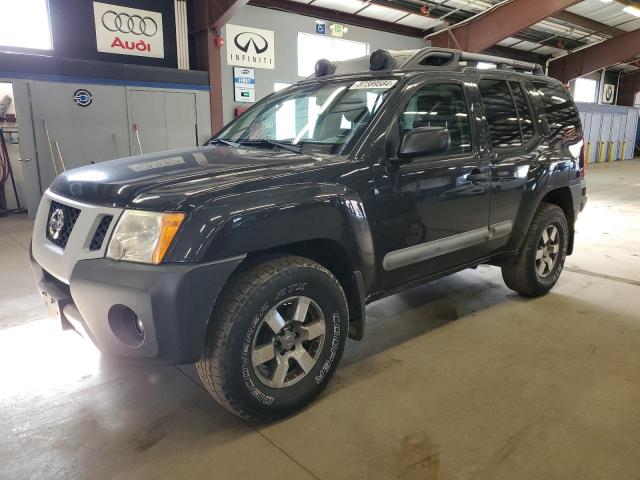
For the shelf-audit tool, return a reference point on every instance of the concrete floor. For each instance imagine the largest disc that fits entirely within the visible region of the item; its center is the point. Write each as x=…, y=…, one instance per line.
x=459, y=379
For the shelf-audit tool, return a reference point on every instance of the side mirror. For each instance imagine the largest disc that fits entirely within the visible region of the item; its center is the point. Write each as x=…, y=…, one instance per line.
x=423, y=141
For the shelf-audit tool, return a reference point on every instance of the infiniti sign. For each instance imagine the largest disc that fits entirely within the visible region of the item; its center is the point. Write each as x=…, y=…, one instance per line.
x=250, y=47
x=248, y=40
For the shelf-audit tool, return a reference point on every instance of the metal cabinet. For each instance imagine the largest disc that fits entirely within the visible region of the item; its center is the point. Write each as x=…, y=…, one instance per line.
x=162, y=120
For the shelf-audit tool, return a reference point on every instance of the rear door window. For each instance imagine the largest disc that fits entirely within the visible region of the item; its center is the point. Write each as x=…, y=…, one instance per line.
x=524, y=112
x=501, y=113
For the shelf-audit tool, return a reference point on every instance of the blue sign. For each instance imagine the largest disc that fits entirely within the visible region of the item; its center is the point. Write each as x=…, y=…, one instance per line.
x=83, y=97
x=321, y=28
x=244, y=84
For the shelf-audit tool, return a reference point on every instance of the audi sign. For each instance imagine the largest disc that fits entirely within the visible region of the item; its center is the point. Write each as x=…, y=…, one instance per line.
x=128, y=31
x=250, y=47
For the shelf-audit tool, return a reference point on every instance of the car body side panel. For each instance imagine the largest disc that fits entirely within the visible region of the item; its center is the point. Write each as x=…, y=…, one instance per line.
x=555, y=167
x=236, y=225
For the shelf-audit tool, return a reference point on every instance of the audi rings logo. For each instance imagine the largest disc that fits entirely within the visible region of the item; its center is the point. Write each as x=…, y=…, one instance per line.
x=132, y=24
x=246, y=40
x=128, y=31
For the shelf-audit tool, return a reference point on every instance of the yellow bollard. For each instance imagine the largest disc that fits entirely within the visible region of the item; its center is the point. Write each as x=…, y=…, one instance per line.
x=611, y=145
x=601, y=152
x=587, y=153
x=624, y=148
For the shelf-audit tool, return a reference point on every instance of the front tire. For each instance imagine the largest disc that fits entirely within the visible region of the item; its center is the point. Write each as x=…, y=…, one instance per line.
x=276, y=337
x=543, y=253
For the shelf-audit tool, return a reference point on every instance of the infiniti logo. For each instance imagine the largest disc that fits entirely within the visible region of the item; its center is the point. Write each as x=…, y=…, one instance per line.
x=56, y=223
x=133, y=24
x=245, y=40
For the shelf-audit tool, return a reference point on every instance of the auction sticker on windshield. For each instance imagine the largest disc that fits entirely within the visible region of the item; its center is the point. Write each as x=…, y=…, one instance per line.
x=371, y=84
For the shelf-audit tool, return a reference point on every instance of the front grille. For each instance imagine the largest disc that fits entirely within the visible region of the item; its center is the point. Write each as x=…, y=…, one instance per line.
x=59, y=233
x=101, y=233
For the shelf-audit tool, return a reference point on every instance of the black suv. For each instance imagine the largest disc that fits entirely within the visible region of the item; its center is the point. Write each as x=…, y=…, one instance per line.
x=255, y=255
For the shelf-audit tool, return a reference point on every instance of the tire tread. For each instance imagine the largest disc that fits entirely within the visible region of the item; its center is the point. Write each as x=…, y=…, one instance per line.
x=211, y=367
x=517, y=276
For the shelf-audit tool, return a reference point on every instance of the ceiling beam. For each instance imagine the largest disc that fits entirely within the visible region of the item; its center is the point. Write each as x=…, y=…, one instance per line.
x=497, y=24
x=584, y=22
x=338, y=16
x=214, y=14
x=596, y=57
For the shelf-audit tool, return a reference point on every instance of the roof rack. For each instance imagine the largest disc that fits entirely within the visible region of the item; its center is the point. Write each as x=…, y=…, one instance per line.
x=429, y=57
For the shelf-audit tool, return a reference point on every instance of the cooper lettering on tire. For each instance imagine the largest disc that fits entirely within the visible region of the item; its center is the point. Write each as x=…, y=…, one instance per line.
x=277, y=335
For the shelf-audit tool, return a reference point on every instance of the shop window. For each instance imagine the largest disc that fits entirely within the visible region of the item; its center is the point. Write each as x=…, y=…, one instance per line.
x=585, y=90
x=25, y=24
x=277, y=86
x=312, y=48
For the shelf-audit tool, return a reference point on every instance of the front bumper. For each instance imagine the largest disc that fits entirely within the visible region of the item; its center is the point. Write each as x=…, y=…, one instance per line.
x=172, y=303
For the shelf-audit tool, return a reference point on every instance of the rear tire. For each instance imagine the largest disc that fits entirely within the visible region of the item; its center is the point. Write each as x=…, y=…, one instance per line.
x=276, y=337
x=542, y=255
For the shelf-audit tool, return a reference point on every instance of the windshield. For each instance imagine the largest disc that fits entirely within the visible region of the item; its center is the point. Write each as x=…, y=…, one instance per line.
x=319, y=118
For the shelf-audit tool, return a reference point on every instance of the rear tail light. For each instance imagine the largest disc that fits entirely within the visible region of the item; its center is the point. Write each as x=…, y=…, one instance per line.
x=584, y=159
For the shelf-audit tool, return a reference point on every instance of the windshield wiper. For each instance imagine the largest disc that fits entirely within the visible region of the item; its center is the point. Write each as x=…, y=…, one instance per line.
x=285, y=146
x=222, y=141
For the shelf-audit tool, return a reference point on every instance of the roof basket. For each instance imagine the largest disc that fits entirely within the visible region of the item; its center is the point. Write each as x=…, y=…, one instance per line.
x=457, y=60
x=430, y=57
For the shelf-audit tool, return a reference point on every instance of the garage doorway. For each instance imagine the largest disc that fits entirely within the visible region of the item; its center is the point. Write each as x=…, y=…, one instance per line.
x=162, y=120
x=14, y=199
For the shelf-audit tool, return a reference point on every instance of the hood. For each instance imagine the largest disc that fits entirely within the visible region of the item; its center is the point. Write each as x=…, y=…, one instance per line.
x=165, y=180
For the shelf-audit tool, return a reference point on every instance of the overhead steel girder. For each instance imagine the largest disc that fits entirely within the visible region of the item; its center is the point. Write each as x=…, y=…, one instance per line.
x=596, y=57
x=587, y=23
x=213, y=14
x=210, y=16
x=497, y=24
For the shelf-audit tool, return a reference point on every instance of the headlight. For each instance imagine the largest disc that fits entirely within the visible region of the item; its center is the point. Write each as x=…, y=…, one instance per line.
x=143, y=237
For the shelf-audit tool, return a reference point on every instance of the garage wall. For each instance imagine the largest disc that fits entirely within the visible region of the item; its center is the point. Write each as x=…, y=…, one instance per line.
x=286, y=27
x=74, y=33
x=104, y=129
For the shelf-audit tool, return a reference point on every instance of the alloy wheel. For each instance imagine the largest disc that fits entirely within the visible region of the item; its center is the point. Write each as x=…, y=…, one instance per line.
x=288, y=342
x=548, y=251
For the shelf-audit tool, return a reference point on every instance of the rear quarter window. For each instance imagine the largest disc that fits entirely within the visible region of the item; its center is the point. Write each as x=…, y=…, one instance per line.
x=562, y=115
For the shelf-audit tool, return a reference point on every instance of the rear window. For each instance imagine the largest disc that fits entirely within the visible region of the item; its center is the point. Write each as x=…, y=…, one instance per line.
x=562, y=116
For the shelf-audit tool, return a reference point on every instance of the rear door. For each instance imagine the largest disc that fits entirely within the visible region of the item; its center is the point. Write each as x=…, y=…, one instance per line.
x=514, y=140
x=432, y=213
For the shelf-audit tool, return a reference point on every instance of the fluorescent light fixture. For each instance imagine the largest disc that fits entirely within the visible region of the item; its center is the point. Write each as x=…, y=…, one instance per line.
x=606, y=1
x=632, y=11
